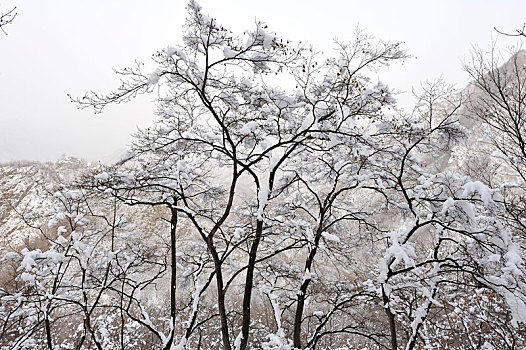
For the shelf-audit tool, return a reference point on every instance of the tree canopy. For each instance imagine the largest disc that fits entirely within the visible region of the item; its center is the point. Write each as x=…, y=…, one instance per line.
x=298, y=207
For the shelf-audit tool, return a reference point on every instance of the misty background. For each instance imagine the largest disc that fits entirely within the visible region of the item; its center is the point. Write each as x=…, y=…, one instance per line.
x=58, y=47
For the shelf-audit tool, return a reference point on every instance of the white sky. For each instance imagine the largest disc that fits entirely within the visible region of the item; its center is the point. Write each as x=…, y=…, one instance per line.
x=57, y=47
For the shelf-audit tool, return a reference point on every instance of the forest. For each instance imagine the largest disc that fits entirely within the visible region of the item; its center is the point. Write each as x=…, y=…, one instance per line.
x=281, y=200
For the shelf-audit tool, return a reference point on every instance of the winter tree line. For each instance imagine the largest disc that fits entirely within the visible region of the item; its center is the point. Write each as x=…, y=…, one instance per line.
x=281, y=200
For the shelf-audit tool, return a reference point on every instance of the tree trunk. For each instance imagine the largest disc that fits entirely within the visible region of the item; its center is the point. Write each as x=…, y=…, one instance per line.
x=48, y=333
x=220, y=296
x=391, y=319
x=249, y=284
x=298, y=317
x=173, y=276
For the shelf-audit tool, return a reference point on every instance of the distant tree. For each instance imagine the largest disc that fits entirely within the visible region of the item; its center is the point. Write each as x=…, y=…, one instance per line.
x=7, y=18
x=67, y=277
x=518, y=32
x=499, y=102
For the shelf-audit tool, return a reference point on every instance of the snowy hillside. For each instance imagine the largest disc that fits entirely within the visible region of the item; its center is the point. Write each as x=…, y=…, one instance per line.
x=22, y=191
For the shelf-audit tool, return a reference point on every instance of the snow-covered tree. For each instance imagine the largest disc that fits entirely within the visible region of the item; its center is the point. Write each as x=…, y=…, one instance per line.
x=220, y=108
x=302, y=208
x=499, y=101
x=67, y=277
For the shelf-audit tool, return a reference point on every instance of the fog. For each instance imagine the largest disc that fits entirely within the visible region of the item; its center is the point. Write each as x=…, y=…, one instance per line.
x=61, y=47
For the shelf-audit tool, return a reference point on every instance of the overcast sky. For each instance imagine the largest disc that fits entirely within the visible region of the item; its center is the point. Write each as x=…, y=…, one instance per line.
x=57, y=47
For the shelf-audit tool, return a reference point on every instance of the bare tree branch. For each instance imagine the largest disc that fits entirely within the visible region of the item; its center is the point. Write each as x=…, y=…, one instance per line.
x=7, y=18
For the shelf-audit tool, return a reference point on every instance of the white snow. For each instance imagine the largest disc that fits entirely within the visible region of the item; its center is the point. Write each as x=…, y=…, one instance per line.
x=262, y=200
x=237, y=342
x=450, y=202
x=330, y=237
x=102, y=176
x=126, y=155
x=228, y=52
x=471, y=188
x=307, y=122
x=170, y=51
x=153, y=78
x=26, y=277
x=248, y=128
x=307, y=275
x=10, y=256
